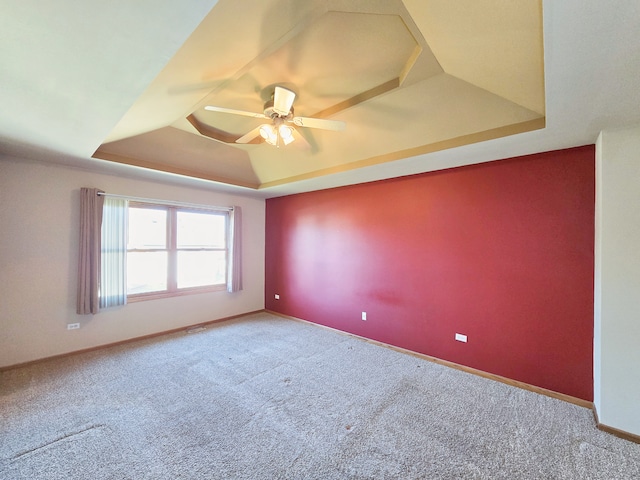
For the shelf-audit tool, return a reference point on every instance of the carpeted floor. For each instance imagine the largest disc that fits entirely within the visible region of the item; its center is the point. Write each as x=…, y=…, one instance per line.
x=263, y=397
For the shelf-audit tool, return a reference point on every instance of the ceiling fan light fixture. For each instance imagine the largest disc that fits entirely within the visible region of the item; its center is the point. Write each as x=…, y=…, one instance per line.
x=277, y=134
x=279, y=109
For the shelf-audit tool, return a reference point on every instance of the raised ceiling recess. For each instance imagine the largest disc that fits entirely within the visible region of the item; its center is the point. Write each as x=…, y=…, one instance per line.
x=406, y=78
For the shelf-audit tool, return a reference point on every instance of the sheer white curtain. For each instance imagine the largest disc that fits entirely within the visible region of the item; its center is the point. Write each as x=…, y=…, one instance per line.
x=113, y=279
x=234, y=275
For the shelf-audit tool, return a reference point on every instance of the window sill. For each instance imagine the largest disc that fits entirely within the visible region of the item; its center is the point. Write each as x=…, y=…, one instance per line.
x=141, y=297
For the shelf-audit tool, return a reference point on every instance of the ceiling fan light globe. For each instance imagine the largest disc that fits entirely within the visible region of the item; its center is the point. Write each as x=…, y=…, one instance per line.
x=286, y=132
x=287, y=141
x=266, y=131
x=269, y=133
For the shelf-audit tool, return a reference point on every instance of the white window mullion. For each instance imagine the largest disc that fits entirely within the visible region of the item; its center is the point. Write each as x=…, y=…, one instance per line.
x=172, y=275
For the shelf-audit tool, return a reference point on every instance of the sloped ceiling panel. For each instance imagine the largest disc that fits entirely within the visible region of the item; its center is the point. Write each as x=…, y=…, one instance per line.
x=176, y=151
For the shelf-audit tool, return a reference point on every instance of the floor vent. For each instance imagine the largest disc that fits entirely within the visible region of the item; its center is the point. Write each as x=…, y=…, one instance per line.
x=196, y=329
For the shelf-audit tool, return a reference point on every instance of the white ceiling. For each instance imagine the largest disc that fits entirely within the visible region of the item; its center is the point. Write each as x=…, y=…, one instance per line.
x=70, y=72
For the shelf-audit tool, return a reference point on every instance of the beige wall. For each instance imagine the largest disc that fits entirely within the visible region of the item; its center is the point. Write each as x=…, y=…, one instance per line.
x=39, y=208
x=617, y=280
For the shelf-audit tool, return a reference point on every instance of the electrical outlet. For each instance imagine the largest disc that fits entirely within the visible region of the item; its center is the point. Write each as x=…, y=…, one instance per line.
x=73, y=326
x=364, y=315
x=276, y=296
x=461, y=338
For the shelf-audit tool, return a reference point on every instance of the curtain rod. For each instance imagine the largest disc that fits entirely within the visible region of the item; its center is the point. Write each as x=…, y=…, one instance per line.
x=166, y=202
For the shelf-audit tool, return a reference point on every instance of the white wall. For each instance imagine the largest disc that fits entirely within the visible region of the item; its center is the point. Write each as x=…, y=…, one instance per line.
x=617, y=280
x=39, y=218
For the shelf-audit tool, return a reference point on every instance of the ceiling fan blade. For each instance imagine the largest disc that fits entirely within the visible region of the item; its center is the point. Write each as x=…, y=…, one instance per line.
x=247, y=137
x=283, y=100
x=303, y=142
x=211, y=108
x=322, y=123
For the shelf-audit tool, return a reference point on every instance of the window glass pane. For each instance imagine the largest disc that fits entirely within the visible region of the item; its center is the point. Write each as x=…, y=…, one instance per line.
x=147, y=228
x=146, y=272
x=196, y=269
x=201, y=230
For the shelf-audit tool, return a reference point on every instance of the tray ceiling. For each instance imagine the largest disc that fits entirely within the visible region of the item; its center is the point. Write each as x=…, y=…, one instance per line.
x=407, y=77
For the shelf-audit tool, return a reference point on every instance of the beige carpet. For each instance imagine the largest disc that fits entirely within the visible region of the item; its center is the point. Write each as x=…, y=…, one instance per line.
x=263, y=397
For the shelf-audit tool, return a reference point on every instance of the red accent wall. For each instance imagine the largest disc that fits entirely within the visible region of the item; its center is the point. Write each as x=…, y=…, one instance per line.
x=502, y=252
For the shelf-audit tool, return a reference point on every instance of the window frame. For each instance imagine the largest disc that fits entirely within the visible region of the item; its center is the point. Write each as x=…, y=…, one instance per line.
x=172, y=252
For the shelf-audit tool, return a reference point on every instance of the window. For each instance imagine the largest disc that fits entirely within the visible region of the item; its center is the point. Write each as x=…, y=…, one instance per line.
x=173, y=250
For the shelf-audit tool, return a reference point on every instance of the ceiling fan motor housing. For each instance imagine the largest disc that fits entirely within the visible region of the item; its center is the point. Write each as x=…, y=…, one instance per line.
x=271, y=112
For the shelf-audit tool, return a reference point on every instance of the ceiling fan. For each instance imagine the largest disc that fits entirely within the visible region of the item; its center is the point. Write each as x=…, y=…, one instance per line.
x=279, y=109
